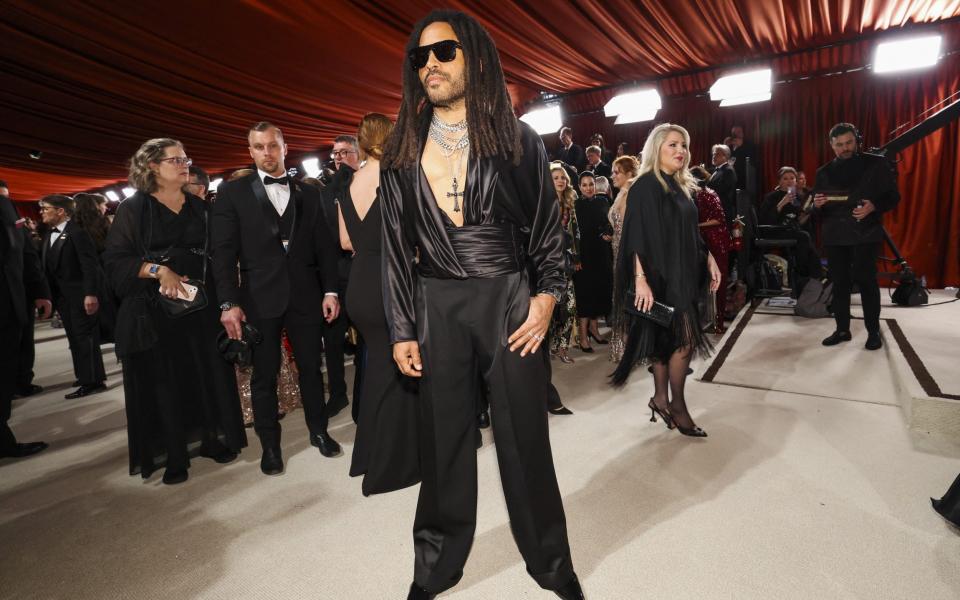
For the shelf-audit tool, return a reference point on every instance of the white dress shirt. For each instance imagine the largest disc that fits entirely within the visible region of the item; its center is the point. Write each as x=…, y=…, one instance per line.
x=56, y=231
x=279, y=195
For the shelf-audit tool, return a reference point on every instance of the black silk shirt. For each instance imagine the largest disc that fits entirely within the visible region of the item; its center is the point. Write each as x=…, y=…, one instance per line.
x=497, y=192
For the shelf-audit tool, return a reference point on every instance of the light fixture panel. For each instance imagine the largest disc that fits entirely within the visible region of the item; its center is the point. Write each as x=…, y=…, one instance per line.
x=907, y=54
x=544, y=120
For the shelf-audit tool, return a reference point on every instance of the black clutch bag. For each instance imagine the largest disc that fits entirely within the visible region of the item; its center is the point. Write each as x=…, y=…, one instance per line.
x=659, y=313
x=178, y=307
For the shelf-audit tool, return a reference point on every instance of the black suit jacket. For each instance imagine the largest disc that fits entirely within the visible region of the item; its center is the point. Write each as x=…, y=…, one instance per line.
x=601, y=169
x=21, y=276
x=331, y=198
x=573, y=156
x=723, y=181
x=71, y=264
x=244, y=228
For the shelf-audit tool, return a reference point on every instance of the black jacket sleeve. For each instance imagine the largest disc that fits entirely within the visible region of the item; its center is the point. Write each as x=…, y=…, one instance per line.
x=326, y=248
x=397, y=259
x=34, y=280
x=89, y=260
x=225, y=244
x=123, y=254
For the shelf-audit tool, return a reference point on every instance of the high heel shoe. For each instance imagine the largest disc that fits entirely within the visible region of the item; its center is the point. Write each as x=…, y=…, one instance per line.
x=564, y=357
x=695, y=432
x=655, y=410
x=570, y=591
x=597, y=338
x=586, y=349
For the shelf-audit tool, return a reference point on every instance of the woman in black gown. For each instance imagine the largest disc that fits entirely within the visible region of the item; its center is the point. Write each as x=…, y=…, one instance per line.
x=663, y=258
x=386, y=448
x=177, y=388
x=594, y=281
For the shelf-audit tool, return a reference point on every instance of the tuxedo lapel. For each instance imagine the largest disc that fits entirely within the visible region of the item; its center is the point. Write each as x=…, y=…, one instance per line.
x=296, y=205
x=266, y=207
x=54, y=252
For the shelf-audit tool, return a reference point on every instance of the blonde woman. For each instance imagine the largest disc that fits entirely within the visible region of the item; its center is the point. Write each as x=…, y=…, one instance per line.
x=625, y=171
x=564, y=315
x=663, y=259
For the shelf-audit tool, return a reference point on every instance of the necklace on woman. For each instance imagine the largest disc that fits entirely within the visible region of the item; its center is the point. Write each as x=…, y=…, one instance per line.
x=452, y=149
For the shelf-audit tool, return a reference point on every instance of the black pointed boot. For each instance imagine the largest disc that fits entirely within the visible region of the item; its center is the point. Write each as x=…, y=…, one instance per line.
x=418, y=593
x=571, y=591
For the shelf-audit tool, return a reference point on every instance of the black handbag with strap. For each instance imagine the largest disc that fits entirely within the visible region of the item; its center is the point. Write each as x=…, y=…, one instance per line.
x=179, y=307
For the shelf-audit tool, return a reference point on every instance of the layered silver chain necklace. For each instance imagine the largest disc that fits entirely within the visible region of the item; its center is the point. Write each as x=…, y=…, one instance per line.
x=451, y=148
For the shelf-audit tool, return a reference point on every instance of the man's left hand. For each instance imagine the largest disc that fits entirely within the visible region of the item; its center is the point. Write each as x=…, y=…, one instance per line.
x=331, y=308
x=44, y=306
x=533, y=331
x=865, y=208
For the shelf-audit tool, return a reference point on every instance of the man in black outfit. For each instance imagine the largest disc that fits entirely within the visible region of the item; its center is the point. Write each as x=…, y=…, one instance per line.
x=273, y=225
x=852, y=192
x=72, y=266
x=571, y=153
x=23, y=289
x=743, y=151
x=723, y=181
x=467, y=311
x=595, y=163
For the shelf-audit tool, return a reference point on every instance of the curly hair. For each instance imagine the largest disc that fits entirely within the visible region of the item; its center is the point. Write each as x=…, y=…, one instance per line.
x=494, y=129
x=374, y=130
x=141, y=176
x=569, y=196
x=88, y=216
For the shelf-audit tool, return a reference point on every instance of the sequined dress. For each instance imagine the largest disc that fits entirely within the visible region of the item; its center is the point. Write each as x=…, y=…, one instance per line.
x=617, y=329
x=288, y=389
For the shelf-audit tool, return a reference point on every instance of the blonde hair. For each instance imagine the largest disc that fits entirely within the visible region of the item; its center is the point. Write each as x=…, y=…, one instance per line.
x=650, y=159
x=569, y=196
x=630, y=167
x=141, y=176
x=374, y=130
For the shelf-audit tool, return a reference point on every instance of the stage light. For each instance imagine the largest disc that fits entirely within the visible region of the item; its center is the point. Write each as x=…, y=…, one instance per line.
x=907, y=54
x=111, y=195
x=745, y=99
x=311, y=166
x=544, y=120
x=742, y=88
x=637, y=103
x=215, y=184
x=127, y=192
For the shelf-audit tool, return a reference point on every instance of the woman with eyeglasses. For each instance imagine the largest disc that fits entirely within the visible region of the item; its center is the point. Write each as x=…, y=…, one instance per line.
x=177, y=387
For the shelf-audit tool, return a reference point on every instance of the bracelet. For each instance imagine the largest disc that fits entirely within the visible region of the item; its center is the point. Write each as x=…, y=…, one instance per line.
x=640, y=276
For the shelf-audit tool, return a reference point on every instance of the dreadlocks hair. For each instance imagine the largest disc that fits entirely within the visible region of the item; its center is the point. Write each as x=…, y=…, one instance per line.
x=493, y=127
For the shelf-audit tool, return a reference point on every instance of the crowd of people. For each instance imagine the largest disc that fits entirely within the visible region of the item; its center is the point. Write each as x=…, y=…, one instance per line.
x=420, y=255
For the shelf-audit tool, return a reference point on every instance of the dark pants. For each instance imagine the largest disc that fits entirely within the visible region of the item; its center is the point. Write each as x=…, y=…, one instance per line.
x=28, y=352
x=305, y=340
x=83, y=333
x=463, y=327
x=858, y=264
x=10, y=331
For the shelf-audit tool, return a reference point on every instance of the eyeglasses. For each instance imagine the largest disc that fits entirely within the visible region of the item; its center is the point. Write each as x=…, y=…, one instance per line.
x=445, y=51
x=45, y=208
x=341, y=153
x=180, y=161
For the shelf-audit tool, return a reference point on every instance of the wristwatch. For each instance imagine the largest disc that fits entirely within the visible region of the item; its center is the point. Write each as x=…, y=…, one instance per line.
x=224, y=306
x=154, y=270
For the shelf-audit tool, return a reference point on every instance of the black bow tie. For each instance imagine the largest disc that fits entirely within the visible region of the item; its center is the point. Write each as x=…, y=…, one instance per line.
x=281, y=180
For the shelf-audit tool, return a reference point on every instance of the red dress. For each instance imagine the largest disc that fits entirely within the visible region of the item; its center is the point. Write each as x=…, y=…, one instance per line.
x=717, y=238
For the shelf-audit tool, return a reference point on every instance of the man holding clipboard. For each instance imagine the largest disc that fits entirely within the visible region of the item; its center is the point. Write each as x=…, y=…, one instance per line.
x=852, y=192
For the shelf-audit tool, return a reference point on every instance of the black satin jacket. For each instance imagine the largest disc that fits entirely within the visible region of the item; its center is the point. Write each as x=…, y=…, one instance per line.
x=497, y=192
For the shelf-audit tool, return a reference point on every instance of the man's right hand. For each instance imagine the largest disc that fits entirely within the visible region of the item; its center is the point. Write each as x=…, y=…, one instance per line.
x=407, y=357
x=819, y=200
x=232, y=320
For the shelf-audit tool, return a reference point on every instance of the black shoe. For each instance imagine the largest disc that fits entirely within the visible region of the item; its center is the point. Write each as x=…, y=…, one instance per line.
x=335, y=405
x=418, y=593
x=175, y=476
x=328, y=446
x=586, y=349
x=76, y=383
x=29, y=390
x=836, y=337
x=23, y=450
x=694, y=432
x=271, y=463
x=483, y=420
x=598, y=339
x=874, y=342
x=571, y=591
x=560, y=410
x=86, y=390
x=218, y=452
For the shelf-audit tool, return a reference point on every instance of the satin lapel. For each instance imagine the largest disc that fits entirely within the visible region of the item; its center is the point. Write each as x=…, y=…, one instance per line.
x=266, y=207
x=57, y=249
x=296, y=203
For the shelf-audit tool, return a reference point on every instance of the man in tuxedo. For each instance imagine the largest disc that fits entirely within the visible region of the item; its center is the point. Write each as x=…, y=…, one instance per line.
x=595, y=163
x=605, y=154
x=571, y=153
x=72, y=267
x=199, y=182
x=23, y=289
x=723, y=180
x=743, y=151
x=274, y=226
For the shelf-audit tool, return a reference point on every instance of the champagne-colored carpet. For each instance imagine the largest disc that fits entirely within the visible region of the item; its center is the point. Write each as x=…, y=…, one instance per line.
x=791, y=496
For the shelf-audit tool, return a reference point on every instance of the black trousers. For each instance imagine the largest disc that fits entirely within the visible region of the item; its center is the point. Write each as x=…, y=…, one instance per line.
x=553, y=396
x=305, y=339
x=28, y=353
x=857, y=263
x=463, y=327
x=10, y=331
x=83, y=333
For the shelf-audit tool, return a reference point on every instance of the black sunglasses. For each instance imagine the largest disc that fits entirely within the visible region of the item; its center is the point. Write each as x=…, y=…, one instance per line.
x=445, y=51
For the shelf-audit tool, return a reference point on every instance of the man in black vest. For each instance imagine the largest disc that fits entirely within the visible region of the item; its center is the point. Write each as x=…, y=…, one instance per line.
x=21, y=278
x=852, y=192
x=273, y=225
x=72, y=267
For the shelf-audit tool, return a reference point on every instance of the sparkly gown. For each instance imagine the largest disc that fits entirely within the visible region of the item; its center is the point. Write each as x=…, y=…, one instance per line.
x=617, y=328
x=562, y=325
x=288, y=388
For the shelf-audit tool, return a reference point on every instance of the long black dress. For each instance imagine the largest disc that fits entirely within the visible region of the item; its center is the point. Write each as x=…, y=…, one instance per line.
x=177, y=388
x=593, y=283
x=660, y=228
x=386, y=450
